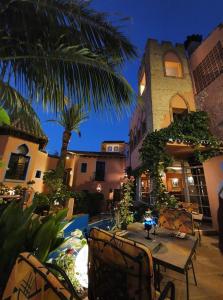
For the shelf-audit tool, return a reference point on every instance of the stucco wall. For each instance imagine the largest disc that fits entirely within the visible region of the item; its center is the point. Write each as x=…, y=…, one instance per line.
x=12, y=144
x=206, y=46
x=210, y=99
x=114, y=172
x=213, y=170
x=39, y=161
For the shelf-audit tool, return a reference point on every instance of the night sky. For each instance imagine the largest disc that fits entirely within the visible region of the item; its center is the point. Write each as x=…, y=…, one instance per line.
x=169, y=20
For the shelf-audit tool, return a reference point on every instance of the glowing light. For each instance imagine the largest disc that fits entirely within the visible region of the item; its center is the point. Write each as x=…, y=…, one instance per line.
x=190, y=180
x=81, y=269
x=174, y=168
x=98, y=188
x=11, y=192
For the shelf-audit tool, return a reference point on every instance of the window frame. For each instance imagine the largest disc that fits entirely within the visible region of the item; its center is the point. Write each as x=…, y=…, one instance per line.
x=179, y=61
x=25, y=171
x=98, y=176
x=84, y=170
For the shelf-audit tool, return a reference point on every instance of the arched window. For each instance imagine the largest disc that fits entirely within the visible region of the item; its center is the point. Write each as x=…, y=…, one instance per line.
x=18, y=164
x=178, y=107
x=22, y=149
x=172, y=64
x=142, y=84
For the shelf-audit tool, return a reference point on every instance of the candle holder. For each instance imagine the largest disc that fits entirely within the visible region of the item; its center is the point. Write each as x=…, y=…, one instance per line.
x=148, y=226
x=148, y=223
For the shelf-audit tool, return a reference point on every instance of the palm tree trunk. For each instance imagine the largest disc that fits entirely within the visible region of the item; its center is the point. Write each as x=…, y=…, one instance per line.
x=62, y=160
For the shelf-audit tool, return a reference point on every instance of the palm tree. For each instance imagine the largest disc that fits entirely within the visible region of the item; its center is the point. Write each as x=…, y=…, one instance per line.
x=70, y=119
x=56, y=47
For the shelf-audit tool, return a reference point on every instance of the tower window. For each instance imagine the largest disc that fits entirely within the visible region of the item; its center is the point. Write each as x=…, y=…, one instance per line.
x=173, y=66
x=178, y=114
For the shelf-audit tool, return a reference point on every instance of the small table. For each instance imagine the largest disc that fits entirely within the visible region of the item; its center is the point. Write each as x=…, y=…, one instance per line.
x=167, y=250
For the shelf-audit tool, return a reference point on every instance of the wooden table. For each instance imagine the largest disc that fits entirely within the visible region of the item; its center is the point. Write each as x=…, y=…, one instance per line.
x=167, y=250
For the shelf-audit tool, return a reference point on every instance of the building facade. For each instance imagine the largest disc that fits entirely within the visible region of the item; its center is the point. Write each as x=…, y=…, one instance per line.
x=23, y=156
x=25, y=159
x=101, y=171
x=166, y=90
x=206, y=62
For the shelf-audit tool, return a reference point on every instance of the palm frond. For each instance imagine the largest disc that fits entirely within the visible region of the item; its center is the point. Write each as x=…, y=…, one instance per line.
x=75, y=19
x=57, y=46
x=19, y=110
x=71, y=117
x=84, y=75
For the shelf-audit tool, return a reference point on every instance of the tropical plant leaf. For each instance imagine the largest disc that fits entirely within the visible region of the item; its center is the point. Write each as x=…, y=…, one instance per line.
x=63, y=46
x=19, y=109
x=4, y=117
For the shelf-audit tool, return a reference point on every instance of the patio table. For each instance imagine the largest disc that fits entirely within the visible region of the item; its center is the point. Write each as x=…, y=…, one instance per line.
x=167, y=250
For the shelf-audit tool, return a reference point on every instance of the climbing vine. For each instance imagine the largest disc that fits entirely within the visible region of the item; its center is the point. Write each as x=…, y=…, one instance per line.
x=192, y=129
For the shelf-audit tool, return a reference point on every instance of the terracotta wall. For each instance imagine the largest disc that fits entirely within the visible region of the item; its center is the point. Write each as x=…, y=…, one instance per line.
x=11, y=146
x=210, y=99
x=114, y=172
x=213, y=170
x=39, y=161
x=206, y=46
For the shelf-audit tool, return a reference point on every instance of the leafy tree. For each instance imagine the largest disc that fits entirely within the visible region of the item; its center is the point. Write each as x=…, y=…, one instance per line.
x=192, y=129
x=4, y=117
x=126, y=203
x=56, y=47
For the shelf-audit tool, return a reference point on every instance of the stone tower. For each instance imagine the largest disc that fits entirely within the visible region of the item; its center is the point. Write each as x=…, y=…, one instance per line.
x=165, y=83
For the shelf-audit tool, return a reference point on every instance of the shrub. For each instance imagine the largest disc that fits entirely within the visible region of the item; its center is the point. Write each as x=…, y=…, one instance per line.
x=42, y=203
x=91, y=203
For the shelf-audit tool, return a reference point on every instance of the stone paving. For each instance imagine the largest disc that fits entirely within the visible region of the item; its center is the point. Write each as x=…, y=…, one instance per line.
x=209, y=272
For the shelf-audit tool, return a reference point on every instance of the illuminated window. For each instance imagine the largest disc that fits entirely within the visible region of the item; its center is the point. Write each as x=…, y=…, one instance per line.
x=109, y=149
x=142, y=84
x=116, y=148
x=173, y=66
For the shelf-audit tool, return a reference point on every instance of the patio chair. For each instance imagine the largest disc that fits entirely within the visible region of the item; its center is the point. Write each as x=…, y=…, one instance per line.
x=29, y=279
x=120, y=269
x=179, y=220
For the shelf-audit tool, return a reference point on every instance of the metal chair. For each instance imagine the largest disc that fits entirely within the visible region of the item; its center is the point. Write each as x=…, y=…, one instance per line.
x=120, y=269
x=30, y=279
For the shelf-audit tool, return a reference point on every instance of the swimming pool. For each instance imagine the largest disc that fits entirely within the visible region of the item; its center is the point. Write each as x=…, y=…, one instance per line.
x=105, y=224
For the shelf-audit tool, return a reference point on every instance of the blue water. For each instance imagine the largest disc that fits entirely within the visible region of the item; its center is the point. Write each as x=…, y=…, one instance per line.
x=105, y=224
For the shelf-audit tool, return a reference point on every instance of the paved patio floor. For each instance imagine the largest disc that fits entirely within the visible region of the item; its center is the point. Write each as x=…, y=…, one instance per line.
x=209, y=272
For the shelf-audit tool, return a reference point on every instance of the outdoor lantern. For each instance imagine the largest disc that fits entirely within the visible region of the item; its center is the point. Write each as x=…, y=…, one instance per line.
x=98, y=188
